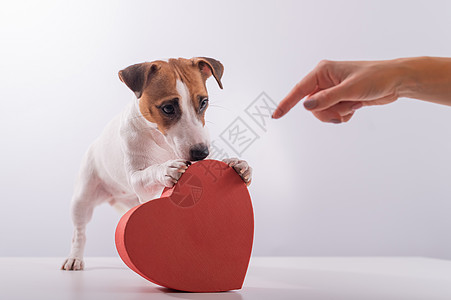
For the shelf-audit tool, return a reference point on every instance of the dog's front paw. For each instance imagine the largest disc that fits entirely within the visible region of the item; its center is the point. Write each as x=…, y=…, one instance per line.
x=73, y=264
x=172, y=170
x=241, y=167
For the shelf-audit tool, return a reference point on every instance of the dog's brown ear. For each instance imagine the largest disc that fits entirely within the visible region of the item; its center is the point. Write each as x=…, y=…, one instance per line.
x=210, y=66
x=136, y=76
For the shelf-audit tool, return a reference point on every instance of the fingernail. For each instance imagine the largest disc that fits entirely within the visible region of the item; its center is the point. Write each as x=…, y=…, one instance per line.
x=335, y=121
x=276, y=114
x=357, y=106
x=310, y=104
x=188, y=163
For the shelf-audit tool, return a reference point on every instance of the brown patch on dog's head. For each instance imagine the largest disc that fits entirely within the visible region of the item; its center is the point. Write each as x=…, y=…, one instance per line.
x=154, y=83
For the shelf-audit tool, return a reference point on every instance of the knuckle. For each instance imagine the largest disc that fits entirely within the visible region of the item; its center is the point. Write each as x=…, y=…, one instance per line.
x=325, y=95
x=324, y=63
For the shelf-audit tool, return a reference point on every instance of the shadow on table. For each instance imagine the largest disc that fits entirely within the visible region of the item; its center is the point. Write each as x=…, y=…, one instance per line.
x=247, y=293
x=231, y=295
x=156, y=293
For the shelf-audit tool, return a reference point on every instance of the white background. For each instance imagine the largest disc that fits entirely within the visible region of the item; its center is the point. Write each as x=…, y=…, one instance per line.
x=378, y=185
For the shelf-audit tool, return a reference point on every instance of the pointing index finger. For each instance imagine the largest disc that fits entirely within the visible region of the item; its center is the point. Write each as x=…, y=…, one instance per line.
x=305, y=87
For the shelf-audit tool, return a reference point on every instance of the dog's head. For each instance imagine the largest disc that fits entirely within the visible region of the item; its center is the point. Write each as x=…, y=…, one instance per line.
x=173, y=96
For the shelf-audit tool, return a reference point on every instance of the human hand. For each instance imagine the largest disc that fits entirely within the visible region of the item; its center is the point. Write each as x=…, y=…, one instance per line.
x=335, y=89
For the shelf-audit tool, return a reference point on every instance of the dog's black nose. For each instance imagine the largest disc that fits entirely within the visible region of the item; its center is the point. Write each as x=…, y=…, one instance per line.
x=198, y=152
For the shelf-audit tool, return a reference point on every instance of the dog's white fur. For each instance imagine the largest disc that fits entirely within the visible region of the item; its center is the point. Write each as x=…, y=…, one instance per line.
x=131, y=163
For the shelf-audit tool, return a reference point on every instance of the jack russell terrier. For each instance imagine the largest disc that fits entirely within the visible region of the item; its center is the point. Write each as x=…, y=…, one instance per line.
x=150, y=144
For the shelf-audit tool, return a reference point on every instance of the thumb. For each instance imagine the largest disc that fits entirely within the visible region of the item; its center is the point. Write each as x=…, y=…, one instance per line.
x=326, y=98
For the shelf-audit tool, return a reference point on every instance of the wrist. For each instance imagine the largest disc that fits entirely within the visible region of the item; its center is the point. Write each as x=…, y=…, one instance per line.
x=414, y=74
x=405, y=80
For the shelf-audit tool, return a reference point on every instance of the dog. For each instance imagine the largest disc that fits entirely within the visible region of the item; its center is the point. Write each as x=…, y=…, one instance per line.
x=150, y=144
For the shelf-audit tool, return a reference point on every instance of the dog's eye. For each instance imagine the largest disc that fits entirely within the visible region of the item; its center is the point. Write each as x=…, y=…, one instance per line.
x=203, y=104
x=168, y=109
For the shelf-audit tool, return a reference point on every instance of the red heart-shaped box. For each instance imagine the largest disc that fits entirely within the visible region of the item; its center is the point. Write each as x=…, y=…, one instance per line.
x=197, y=237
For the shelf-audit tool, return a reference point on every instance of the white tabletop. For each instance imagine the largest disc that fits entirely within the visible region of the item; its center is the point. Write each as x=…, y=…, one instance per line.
x=309, y=278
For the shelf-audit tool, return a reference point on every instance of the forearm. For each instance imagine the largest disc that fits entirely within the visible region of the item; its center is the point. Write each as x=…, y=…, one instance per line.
x=426, y=78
